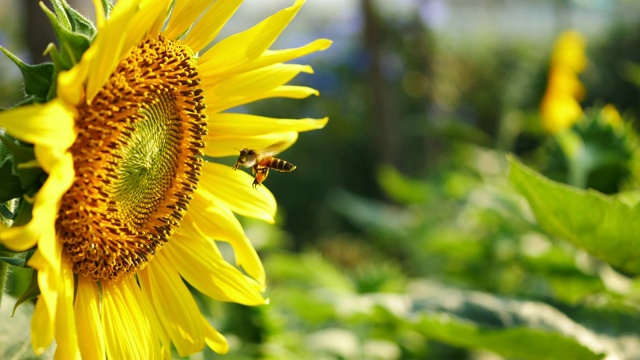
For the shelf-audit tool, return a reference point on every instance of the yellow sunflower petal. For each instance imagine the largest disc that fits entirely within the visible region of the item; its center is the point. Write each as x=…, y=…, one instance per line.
x=251, y=83
x=174, y=304
x=242, y=48
x=65, y=322
x=208, y=27
x=220, y=145
x=49, y=124
x=234, y=190
x=122, y=8
x=45, y=209
x=200, y=263
x=248, y=125
x=183, y=15
x=146, y=304
x=109, y=42
x=215, y=221
x=126, y=329
x=147, y=20
x=284, y=91
x=278, y=56
x=215, y=341
x=288, y=91
x=130, y=22
x=41, y=327
x=88, y=323
x=70, y=85
x=49, y=270
x=269, y=57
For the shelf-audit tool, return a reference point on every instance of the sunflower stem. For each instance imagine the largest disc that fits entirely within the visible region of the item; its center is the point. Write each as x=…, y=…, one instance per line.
x=4, y=272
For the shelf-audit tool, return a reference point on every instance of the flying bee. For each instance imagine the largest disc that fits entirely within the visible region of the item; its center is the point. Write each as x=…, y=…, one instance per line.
x=261, y=161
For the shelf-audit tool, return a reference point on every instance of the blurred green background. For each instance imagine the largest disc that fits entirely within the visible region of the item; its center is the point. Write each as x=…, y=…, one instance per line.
x=400, y=234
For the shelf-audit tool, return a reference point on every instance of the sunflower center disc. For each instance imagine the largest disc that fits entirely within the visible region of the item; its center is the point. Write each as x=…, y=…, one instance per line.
x=137, y=161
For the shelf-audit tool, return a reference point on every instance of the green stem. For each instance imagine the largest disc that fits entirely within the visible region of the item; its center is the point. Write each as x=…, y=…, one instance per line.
x=577, y=174
x=575, y=152
x=4, y=273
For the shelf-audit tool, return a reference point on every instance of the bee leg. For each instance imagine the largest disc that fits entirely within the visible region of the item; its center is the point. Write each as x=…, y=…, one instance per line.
x=261, y=174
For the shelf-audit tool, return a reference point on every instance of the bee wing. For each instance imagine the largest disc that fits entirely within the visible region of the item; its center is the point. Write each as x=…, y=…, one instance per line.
x=274, y=149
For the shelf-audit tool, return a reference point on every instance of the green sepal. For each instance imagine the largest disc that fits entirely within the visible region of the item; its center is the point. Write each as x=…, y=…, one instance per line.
x=23, y=212
x=30, y=177
x=61, y=14
x=73, y=20
x=10, y=187
x=18, y=261
x=107, y=6
x=12, y=261
x=37, y=78
x=71, y=44
x=32, y=291
x=24, y=166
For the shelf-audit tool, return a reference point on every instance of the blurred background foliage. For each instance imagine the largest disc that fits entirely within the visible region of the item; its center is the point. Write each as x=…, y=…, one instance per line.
x=407, y=230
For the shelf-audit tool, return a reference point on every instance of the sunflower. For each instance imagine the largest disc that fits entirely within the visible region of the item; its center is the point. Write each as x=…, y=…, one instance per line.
x=133, y=200
x=560, y=107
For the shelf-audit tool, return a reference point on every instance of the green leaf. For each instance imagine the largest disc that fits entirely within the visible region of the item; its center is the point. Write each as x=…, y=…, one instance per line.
x=16, y=259
x=37, y=78
x=15, y=336
x=24, y=165
x=32, y=291
x=58, y=7
x=107, y=5
x=401, y=188
x=309, y=269
x=517, y=342
x=13, y=261
x=513, y=328
x=603, y=226
x=371, y=215
x=23, y=213
x=10, y=187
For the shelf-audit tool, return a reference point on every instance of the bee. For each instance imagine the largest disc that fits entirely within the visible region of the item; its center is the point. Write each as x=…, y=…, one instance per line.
x=261, y=161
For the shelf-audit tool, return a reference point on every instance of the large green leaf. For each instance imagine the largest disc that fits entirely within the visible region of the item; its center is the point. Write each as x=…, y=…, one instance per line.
x=604, y=226
x=517, y=342
x=514, y=328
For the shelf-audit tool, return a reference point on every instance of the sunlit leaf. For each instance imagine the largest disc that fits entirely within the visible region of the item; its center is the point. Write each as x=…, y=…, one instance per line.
x=604, y=226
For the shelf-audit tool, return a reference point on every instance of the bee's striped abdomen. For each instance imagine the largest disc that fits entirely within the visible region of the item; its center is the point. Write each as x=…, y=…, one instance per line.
x=281, y=165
